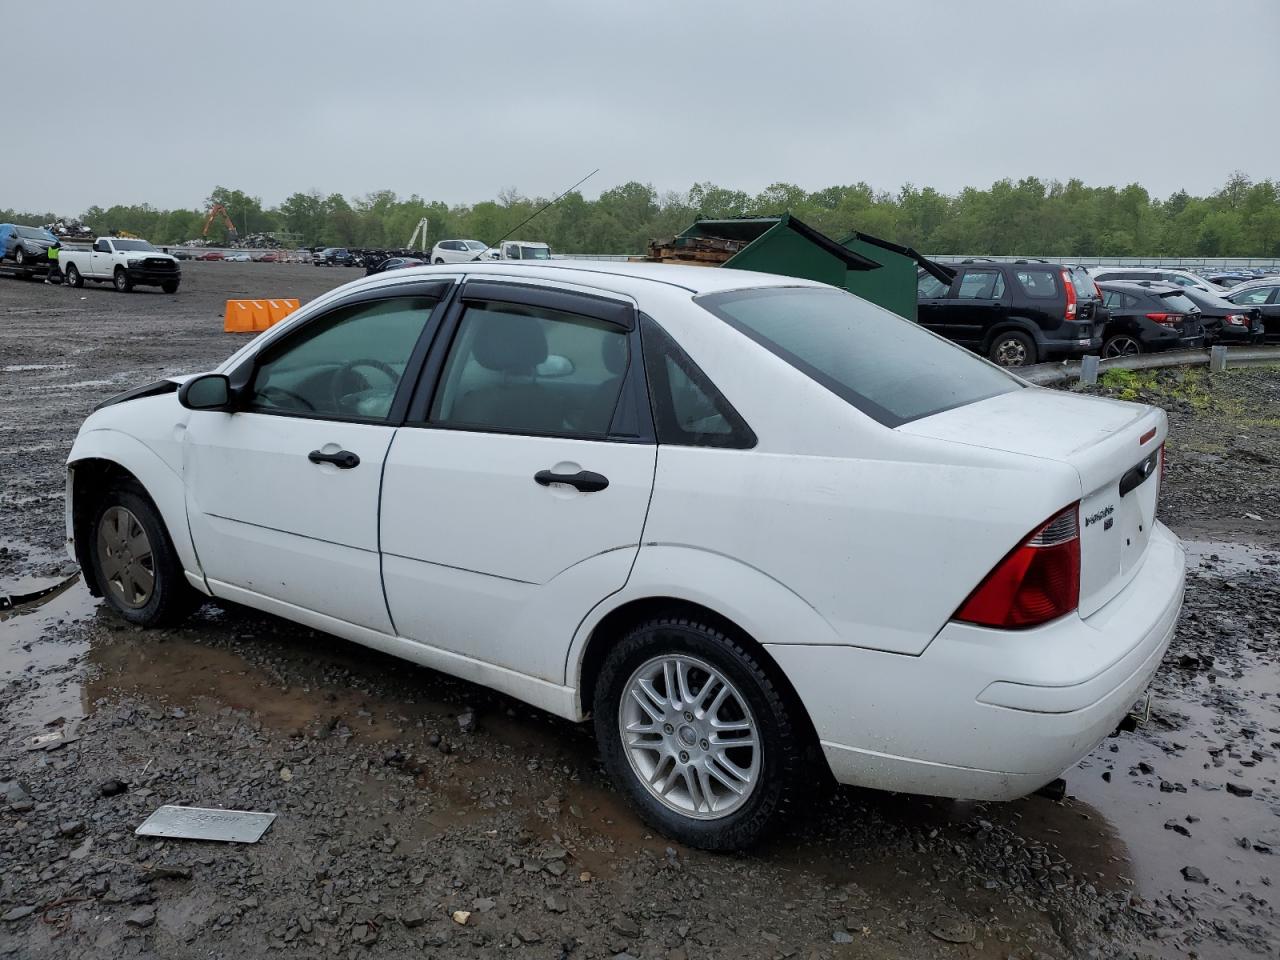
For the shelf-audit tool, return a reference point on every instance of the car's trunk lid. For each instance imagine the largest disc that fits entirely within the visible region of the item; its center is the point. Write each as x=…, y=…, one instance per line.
x=1113, y=446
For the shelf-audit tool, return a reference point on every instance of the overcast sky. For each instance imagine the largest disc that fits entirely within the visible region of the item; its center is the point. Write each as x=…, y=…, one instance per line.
x=159, y=102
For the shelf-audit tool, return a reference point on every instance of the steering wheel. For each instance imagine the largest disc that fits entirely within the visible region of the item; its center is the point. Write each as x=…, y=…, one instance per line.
x=344, y=371
x=268, y=390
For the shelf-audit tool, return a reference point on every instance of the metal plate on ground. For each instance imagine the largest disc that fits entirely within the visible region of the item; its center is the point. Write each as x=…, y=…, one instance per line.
x=201, y=823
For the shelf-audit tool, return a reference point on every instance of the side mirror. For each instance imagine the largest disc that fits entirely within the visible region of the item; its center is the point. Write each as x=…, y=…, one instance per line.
x=209, y=391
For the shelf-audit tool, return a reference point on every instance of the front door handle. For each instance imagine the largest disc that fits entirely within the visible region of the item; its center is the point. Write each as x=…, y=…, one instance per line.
x=343, y=459
x=584, y=480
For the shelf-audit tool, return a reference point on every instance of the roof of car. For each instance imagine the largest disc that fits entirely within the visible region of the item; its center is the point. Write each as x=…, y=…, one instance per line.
x=1138, y=286
x=619, y=276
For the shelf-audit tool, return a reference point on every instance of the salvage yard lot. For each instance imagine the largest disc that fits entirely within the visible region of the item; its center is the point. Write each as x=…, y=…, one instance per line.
x=404, y=795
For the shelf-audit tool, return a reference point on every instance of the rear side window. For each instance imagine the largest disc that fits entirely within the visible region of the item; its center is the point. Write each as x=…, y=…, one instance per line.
x=688, y=410
x=889, y=368
x=981, y=285
x=1038, y=284
x=1257, y=295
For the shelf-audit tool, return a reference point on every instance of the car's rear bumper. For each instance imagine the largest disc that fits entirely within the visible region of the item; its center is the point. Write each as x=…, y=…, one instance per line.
x=990, y=714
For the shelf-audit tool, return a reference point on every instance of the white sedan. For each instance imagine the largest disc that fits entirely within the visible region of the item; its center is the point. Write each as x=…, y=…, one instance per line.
x=457, y=251
x=756, y=528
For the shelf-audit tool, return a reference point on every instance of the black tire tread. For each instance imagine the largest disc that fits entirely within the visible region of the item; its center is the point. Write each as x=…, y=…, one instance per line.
x=785, y=759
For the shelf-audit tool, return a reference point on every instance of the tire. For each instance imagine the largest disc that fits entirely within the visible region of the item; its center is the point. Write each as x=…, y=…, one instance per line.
x=134, y=562
x=169, y=286
x=1012, y=348
x=438, y=260
x=20, y=257
x=121, y=280
x=1121, y=345
x=679, y=754
x=73, y=276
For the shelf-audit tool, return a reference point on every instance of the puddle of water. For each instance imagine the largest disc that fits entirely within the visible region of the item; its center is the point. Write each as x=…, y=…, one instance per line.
x=1225, y=558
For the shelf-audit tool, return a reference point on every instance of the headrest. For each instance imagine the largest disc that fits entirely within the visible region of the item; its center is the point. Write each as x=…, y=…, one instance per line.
x=614, y=351
x=510, y=344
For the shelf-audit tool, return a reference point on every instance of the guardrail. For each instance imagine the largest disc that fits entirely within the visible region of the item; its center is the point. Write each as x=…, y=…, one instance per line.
x=1046, y=374
x=1196, y=264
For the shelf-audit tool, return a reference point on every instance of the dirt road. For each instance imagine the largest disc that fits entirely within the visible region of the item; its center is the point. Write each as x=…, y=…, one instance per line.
x=404, y=796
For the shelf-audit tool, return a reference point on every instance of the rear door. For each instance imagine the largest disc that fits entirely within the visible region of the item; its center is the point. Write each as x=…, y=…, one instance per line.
x=1266, y=300
x=979, y=300
x=514, y=499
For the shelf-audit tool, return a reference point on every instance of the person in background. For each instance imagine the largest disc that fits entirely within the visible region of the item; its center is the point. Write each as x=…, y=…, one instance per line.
x=52, y=254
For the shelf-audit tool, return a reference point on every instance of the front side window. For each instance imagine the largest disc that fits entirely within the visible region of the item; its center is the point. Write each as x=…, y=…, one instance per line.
x=981, y=285
x=1039, y=284
x=521, y=369
x=346, y=365
x=889, y=368
x=1252, y=298
x=929, y=287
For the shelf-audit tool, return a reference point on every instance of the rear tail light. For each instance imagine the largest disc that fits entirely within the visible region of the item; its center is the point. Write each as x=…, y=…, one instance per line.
x=1166, y=319
x=1037, y=582
x=1069, y=286
x=1236, y=319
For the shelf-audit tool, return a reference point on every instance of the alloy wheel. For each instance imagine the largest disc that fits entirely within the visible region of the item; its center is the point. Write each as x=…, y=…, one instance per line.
x=1011, y=353
x=690, y=736
x=1122, y=347
x=126, y=558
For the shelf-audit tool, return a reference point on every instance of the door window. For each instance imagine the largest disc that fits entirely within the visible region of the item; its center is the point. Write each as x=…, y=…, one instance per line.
x=1112, y=299
x=929, y=287
x=1253, y=297
x=346, y=365
x=981, y=285
x=523, y=369
x=1038, y=284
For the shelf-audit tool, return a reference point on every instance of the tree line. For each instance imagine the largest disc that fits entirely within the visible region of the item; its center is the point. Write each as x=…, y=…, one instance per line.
x=1029, y=216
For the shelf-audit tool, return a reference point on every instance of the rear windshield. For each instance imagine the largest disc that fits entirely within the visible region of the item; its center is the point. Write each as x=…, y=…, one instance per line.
x=1179, y=301
x=1083, y=283
x=887, y=367
x=535, y=253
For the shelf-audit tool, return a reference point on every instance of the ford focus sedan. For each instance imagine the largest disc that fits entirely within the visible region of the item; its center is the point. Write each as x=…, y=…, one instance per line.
x=755, y=529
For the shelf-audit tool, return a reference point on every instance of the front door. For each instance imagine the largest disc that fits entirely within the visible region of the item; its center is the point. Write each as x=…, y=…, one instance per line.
x=517, y=501
x=931, y=302
x=282, y=495
x=979, y=303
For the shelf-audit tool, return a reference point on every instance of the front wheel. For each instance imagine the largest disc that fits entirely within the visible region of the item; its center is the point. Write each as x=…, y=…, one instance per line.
x=134, y=561
x=169, y=286
x=438, y=260
x=121, y=280
x=20, y=257
x=1012, y=348
x=697, y=734
x=1121, y=345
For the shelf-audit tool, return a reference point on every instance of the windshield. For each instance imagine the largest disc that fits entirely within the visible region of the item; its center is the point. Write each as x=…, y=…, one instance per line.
x=535, y=253
x=131, y=244
x=887, y=367
x=33, y=233
x=475, y=245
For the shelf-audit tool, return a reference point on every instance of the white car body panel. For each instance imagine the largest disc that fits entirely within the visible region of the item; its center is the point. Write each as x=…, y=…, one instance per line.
x=843, y=546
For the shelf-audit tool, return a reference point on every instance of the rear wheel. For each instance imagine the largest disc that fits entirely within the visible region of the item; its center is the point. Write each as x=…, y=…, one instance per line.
x=695, y=732
x=438, y=260
x=1012, y=348
x=134, y=561
x=1121, y=345
x=73, y=276
x=121, y=280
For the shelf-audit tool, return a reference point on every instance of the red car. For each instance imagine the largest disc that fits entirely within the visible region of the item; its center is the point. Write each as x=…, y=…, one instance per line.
x=211, y=255
x=268, y=258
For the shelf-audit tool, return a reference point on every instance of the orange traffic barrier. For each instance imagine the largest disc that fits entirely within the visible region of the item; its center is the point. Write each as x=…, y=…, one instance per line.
x=253, y=316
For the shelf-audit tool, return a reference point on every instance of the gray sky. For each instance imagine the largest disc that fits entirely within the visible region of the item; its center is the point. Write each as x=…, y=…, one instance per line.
x=160, y=101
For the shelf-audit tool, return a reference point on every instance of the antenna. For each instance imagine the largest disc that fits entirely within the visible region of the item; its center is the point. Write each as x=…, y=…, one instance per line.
x=536, y=212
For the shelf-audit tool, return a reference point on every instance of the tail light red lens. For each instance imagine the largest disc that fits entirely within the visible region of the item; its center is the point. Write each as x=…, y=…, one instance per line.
x=1236, y=319
x=1037, y=582
x=1069, y=286
x=1165, y=319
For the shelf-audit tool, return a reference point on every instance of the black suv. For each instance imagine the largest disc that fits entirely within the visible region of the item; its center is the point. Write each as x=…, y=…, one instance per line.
x=1147, y=316
x=334, y=257
x=1015, y=313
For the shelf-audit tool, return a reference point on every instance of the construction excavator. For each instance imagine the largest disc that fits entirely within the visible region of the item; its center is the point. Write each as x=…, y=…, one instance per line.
x=214, y=212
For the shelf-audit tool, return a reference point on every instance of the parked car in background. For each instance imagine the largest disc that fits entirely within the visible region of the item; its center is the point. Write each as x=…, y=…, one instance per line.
x=334, y=257
x=1014, y=313
x=268, y=258
x=656, y=532
x=520, y=250
x=1264, y=296
x=1148, y=316
x=26, y=246
x=210, y=255
x=237, y=258
x=393, y=263
x=457, y=251
x=124, y=262
x=1224, y=321
x=1183, y=278
x=1228, y=280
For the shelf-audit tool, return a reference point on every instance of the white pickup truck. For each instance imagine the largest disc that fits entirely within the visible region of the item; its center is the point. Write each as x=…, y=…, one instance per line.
x=122, y=261
x=519, y=250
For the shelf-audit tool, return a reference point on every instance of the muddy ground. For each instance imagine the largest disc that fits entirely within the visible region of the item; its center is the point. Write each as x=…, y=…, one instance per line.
x=404, y=796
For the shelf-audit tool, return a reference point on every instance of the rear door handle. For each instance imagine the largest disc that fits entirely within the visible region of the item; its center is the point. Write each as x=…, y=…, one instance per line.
x=584, y=480
x=343, y=459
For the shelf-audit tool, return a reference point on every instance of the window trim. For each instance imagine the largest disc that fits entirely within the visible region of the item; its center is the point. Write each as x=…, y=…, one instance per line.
x=572, y=302
x=241, y=376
